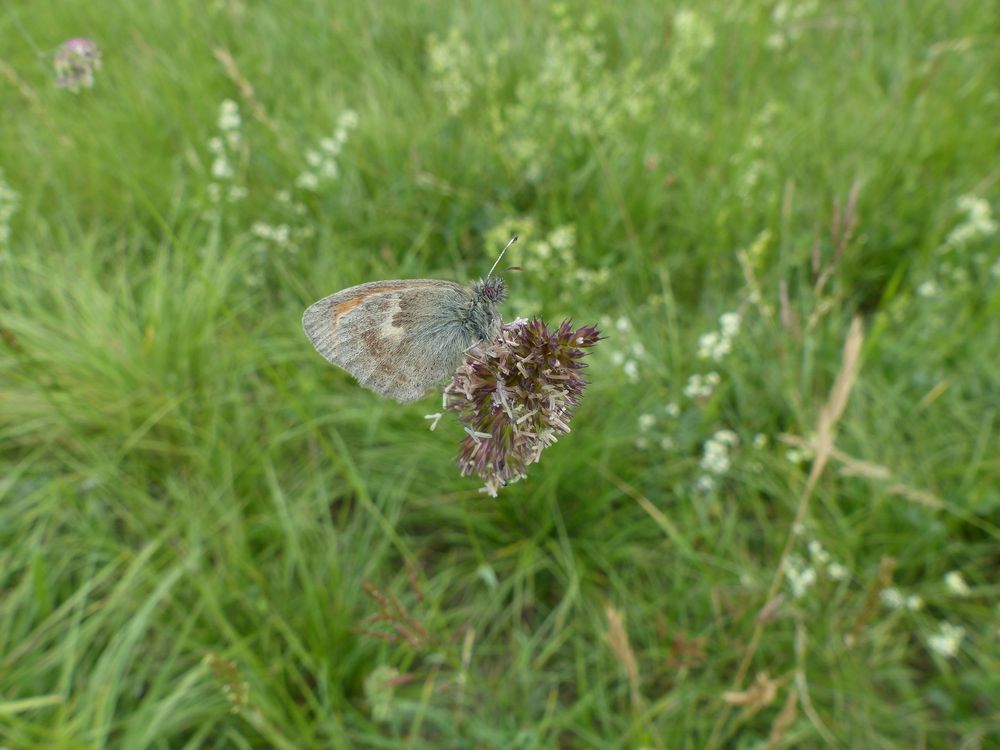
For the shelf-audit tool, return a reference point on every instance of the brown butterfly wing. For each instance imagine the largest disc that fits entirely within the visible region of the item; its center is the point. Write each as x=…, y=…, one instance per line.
x=398, y=338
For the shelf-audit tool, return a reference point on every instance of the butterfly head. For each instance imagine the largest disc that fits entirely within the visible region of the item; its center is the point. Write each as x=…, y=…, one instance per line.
x=492, y=288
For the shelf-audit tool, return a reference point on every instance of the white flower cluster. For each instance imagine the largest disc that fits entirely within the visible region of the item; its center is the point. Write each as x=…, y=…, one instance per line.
x=978, y=224
x=956, y=584
x=647, y=426
x=322, y=161
x=928, y=289
x=789, y=21
x=798, y=456
x=628, y=361
x=280, y=235
x=947, y=640
x=225, y=149
x=691, y=40
x=715, y=345
x=715, y=460
x=801, y=574
x=575, y=91
x=9, y=201
x=450, y=60
x=701, y=386
x=893, y=598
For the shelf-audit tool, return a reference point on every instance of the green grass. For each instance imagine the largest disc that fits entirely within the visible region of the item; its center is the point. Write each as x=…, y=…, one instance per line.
x=197, y=514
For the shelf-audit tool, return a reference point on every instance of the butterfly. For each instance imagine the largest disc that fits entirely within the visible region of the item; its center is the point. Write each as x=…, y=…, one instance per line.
x=399, y=338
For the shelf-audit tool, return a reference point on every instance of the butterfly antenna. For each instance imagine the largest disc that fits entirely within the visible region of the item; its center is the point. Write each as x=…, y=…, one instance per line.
x=512, y=241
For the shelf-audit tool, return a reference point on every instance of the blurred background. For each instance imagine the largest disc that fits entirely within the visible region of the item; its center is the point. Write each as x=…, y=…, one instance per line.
x=210, y=538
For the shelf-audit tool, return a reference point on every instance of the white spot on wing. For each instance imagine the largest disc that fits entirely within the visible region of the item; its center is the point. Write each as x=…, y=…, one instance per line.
x=388, y=329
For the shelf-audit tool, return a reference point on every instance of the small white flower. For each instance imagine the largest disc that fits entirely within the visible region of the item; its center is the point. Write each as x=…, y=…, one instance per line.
x=221, y=168
x=563, y=238
x=836, y=571
x=817, y=553
x=229, y=115
x=728, y=437
x=236, y=193
x=672, y=410
x=307, y=181
x=800, y=577
x=262, y=230
x=617, y=358
x=314, y=158
x=760, y=441
x=667, y=443
x=892, y=598
x=329, y=170
x=704, y=484
x=715, y=457
x=928, y=289
x=914, y=603
x=956, y=584
x=947, y=640
x=216, y=145
x=730, y=324
x=281, y=234
x=622, y=324
x=708, y=345
x=349, y=119
x=631, y=371
x=646, y=421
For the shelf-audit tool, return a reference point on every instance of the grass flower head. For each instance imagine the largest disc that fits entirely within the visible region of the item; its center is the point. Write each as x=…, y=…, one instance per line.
x=516, y=396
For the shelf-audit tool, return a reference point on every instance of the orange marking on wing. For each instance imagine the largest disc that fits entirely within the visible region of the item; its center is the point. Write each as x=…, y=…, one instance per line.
x=345, y=307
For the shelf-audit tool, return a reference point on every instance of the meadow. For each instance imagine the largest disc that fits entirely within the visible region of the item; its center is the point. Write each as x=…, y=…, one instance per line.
x=776, y=520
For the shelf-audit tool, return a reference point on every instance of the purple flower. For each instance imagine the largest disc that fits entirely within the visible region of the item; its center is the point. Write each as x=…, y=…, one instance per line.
x=75, y=62
x=516, y=397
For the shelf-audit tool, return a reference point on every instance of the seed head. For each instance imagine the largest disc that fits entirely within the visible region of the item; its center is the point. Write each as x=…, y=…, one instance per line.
x=515, y=397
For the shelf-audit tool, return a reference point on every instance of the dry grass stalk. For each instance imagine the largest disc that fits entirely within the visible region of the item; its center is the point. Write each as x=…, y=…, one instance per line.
x=803, y=686
x=784, y=720
x=829, y=415
x=246, y=91
x=789, y=318
x=686, y=652
x=761, y=693
x=769, y=611
x=856, y=467
x=618, y=641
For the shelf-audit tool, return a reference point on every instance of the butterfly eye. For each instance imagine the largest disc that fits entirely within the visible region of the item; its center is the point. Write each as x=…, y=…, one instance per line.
x=494, y=289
